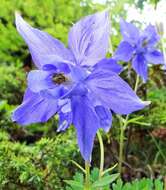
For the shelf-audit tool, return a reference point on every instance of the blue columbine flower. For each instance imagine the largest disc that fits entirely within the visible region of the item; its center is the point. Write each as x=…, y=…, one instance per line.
x=77, y=82
x=139, y=48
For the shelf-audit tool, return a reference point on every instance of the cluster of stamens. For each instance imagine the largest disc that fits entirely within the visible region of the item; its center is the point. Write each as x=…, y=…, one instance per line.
x=59, y=78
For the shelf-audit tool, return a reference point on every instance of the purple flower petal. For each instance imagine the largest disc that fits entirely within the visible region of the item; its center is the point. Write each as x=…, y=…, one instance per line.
x=105, y=117
x=129, y=32
x=150, y=35
x=40, y=43
x=34, y=109
x=86, y=122
x=124, y=52
x=65, y=120
x=154, y=57
x=55, y=93
x=108, y=64
x=89, y=38
x=54, y=62
x=113, y=92
x=65, y=105
x=39, y=80
x=139, y=64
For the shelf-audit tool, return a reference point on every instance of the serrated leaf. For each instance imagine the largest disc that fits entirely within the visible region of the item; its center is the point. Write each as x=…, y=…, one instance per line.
x=79, y=178
x=95, y=174
x=73, y=183
x=105, y=180
x=118, y=185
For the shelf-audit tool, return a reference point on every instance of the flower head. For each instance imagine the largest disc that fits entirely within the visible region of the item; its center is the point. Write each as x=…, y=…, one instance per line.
x=78, y=83
x=139, y=48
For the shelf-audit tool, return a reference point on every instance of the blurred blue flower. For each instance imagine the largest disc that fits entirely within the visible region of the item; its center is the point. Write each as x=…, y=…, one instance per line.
x=139, y=48
x=77, y=82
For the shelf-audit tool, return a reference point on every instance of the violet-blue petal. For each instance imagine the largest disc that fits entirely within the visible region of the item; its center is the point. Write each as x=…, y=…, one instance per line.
x=39, y=80
x=28, y=94
x=78, y=73
x=129, y=32
x=113, y=92
x=124, y=52
x=89, y=38
x=54, y=62
x=154, y=57
x=108, y=64
x=58, y=92
x=65, y=105
x=79, y=89
x=65, y=120
x=86, y=123
x=40, y=43
x=34, y=109
x=150, y=35
x=140, y=66
x=105, y=117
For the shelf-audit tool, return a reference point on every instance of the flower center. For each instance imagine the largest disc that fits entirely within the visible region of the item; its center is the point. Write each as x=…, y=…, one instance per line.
x=59, y=78
x=145, y=42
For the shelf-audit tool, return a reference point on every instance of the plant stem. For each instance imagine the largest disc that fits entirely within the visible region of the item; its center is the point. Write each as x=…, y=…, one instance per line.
x=101, y=154
x=136, y=84
x=80, y=167
x=87, y=176
x=123, y=125
x=122, y=130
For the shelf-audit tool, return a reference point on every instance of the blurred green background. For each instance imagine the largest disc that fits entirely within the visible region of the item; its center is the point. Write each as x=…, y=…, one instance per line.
x=36, y=156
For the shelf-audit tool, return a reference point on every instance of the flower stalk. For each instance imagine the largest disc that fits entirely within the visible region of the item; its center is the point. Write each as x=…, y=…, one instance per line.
x=87, y=176
x=136, y=84
x=101, y=154
x=123, y=126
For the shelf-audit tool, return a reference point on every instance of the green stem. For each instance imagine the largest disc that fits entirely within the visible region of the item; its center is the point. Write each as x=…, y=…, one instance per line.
x=123, y=125
x=110, y=169
x=101, y=154
x=136, y=84
x=87, y=176
x=80, y=167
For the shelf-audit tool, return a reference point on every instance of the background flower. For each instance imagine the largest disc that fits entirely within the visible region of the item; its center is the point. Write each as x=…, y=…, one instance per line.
x=139, y=48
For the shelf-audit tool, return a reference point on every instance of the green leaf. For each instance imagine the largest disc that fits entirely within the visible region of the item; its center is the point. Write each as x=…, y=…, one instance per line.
x=105, y=180
x=73, y=183
x=95, y=174
x=79, y=178
x=118, y=185
x=158, y=184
